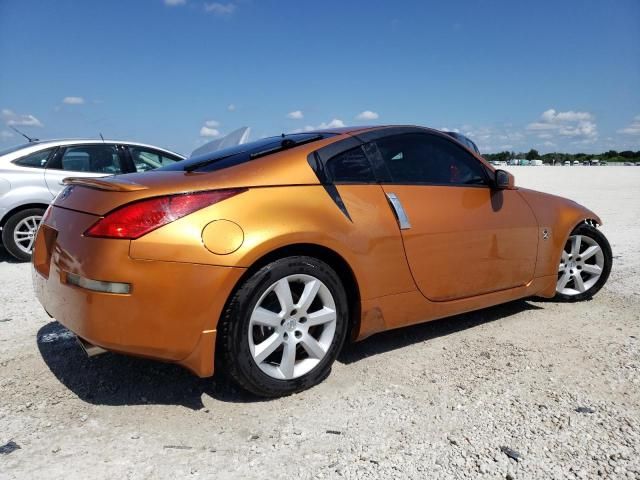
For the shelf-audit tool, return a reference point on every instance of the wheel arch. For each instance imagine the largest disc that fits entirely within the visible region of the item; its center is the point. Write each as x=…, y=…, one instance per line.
x=328, y=256
x=19, y=208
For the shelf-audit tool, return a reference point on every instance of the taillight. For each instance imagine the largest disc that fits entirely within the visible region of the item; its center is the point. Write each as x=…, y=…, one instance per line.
x=136, y=219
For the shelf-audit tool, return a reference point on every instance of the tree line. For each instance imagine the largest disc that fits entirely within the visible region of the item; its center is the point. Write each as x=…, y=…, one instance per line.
x=557, y=157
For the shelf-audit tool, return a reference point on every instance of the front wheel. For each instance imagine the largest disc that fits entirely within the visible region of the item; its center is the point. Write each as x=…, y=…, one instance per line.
x=585, y=264
x=19, y=232
x=283, y=328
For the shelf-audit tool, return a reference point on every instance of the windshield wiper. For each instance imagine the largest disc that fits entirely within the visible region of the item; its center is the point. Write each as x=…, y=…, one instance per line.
x=285, y=144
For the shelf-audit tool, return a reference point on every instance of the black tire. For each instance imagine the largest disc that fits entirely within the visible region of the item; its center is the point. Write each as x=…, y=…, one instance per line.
x=233, y=355
x=587, y=230
x=9, y=227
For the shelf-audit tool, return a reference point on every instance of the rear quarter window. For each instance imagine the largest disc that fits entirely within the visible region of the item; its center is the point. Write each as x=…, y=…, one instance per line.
x=351, y=166
x=35, y=160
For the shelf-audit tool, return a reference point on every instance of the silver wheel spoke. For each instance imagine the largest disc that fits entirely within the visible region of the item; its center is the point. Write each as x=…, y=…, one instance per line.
x=576, y=241
x=320, y=317
x=267, y=347
x=308, y=294
x=267, y=318
x=312, y=346
x=577, y=280
x=562, y=282
x=590, y=252
x=283, y=292
x=288, y=362
x=593, y=269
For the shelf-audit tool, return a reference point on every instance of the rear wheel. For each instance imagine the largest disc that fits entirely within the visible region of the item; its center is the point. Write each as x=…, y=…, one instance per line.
x=283, y=328
x=585, y=264
x=19, y=232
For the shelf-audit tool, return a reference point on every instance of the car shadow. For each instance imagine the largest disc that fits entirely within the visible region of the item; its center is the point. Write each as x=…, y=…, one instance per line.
x=113, y=379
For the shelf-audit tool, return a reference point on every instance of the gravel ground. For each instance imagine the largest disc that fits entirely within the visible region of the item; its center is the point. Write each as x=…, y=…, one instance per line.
x=530, y=389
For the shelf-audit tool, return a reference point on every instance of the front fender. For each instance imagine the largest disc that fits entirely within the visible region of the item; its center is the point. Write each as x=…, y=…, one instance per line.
x=557, y=217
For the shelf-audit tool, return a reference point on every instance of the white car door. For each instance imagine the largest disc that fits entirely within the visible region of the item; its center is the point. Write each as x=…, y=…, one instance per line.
x=85, y=160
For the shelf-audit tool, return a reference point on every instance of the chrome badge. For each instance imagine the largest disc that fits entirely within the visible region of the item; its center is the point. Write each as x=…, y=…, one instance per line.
x=66, y=192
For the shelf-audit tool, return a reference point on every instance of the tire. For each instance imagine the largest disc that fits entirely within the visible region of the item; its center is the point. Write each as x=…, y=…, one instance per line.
x=573, y=265
x=21, y=221
x=258, y=299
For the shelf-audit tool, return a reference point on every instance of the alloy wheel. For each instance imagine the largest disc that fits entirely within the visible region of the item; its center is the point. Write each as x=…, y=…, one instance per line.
x=581, y=265
x=24, y=233
x=292, y=326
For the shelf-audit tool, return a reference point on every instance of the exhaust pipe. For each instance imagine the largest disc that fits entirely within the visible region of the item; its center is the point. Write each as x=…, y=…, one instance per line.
x=89, y=348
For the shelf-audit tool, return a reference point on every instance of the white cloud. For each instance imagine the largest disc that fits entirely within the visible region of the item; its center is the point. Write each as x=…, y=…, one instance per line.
x=335, y=123
x=577, y=125
x=295, y=115
x=231, y=107
x=13, y=119
x=367, y=115
x=212, y=123
x=220, y=8
x=209, y=132
x=174, y=3
x=6, y=134
x=633, y=128
x=73, y=100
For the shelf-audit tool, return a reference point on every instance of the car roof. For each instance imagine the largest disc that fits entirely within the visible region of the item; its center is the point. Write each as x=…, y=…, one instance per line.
x=365, y=128
x=40, y=144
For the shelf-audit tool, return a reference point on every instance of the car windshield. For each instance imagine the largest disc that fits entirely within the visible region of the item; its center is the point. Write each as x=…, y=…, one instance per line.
x=228, y=157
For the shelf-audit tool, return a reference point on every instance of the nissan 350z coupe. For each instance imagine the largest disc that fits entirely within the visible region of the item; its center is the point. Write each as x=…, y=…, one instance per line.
x=261, y=259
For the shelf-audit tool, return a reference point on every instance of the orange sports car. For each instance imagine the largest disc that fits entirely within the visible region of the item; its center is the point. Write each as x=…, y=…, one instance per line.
x=261, y=259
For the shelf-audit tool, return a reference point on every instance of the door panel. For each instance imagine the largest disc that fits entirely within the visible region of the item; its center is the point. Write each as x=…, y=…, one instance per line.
x=466, y=241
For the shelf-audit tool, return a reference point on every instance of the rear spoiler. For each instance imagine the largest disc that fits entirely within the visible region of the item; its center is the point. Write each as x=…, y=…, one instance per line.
x=111, y=185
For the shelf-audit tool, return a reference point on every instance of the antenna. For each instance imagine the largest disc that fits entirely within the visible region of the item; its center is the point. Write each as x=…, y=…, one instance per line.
x=24, y=135
x=101, y=137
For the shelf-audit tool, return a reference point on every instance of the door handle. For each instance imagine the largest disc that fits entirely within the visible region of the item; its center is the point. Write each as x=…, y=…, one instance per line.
x=398, y=209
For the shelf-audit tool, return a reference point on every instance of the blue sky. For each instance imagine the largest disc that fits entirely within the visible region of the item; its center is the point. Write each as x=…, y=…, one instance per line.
x=552, y=75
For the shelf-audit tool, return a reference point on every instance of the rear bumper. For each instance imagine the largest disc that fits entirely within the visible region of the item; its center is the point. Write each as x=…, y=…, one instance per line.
x=171, y=313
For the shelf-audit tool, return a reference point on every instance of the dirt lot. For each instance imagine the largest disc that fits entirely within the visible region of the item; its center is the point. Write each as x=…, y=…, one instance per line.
x=557, y=384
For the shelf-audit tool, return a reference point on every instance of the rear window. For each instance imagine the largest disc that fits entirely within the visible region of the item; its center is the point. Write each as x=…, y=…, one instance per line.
x=238, y=154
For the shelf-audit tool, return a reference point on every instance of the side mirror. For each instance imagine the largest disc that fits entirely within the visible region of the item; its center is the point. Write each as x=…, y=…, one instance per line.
x=504, y=180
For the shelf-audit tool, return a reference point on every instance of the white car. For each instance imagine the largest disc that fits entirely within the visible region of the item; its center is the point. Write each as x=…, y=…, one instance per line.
x=31, y=176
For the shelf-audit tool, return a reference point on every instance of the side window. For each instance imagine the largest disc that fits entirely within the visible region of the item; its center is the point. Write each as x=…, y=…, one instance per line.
x=36, y=160
x=90, y=158
x=351, y=166
x=145, y=159
x=429, y=159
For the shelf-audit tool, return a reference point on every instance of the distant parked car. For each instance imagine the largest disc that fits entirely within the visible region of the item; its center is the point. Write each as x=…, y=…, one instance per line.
x=31, y=176
x=576, y=163
x=567, y=163
x=586, y=163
